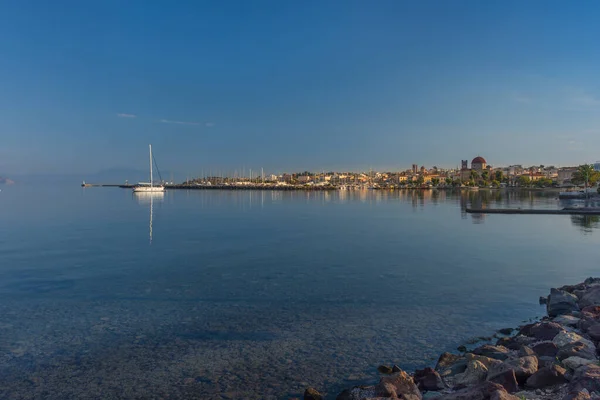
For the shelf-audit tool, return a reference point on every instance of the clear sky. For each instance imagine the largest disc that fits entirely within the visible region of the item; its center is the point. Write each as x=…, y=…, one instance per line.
x=295, y=85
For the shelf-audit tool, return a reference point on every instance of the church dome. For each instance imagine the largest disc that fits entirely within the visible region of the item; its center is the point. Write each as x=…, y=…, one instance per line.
x=478, y=160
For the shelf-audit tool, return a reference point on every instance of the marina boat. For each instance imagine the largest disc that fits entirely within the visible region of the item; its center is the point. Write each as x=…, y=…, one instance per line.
x=577, y=194
x=144, y=187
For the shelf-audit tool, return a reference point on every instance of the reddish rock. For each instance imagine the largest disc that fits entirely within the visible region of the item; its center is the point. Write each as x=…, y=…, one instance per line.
x=526, y=351
x=428, y=379
x=507, y=379
x=547, y=376
x=542, y=330
x=547, y=349
x=403, y=384
x=594, y=311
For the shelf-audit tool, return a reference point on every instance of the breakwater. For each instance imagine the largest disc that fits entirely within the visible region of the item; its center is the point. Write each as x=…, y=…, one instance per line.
x=554, y=358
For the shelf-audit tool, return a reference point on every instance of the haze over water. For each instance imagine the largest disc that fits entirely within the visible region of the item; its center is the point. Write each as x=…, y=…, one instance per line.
x=249, y=294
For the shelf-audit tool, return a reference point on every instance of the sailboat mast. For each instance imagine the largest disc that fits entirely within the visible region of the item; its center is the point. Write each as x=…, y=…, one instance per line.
x=150, y=146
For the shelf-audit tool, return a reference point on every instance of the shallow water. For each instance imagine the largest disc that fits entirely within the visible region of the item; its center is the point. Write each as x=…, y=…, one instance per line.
x=246, y=294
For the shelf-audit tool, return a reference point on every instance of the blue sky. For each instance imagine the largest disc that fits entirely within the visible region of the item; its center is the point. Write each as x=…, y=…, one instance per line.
x=289, y=85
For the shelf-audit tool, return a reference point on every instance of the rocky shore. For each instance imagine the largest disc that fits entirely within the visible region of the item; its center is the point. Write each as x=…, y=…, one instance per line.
x=555, y=358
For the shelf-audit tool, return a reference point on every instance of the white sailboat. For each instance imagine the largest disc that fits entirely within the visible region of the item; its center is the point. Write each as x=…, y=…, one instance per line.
x=149, y=187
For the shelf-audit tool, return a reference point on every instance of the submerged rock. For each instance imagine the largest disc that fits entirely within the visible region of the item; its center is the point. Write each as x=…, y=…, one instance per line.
x=384, y=369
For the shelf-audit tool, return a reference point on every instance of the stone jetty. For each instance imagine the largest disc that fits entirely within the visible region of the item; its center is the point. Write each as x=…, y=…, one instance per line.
x=555, y=358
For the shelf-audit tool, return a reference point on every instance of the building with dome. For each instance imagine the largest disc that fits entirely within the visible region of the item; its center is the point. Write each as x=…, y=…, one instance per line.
x=478, y=164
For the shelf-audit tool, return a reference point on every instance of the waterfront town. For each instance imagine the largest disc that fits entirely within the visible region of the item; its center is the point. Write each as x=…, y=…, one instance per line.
x=476, y=174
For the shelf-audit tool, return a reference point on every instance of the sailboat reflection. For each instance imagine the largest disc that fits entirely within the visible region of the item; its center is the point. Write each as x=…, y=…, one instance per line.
x=146, y=198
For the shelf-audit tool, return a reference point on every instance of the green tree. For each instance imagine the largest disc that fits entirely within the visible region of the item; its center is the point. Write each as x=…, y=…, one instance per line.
x=420, y=180
x=474, y=175
x=523, y=180
x=448, y=181
x=585, y=175
x=495, y=183
x=435, y=181
x=485, y=175
x=499, y=176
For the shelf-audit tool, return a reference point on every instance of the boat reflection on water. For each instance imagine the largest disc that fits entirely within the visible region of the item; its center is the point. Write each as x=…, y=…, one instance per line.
x=148, y=198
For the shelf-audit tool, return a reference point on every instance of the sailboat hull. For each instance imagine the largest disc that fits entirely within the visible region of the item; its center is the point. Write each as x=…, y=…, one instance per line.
x=149, y=189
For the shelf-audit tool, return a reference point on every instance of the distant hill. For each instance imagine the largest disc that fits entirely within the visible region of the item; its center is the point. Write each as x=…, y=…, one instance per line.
x=6, y=181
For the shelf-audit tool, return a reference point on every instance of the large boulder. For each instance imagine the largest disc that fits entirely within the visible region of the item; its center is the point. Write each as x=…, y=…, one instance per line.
x=428, y=379
x=403, y=384
x=490, y=351
x=587, y=377
x=567, y=320
x=594, y=332
x=542, y=330
x=446, y=360
x=507, y=379
x=483, y=391
x=476, y=372
x=547, y=376
x=566, y=338
x=590, y=297
x=575, y=362
x=523, y=368
x=545, y=349
x=515, y=342
x=577, y=349
x=488, y=362
x=561, y=302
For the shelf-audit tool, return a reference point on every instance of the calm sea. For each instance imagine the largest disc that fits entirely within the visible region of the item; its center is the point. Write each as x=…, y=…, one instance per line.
x=249, y=294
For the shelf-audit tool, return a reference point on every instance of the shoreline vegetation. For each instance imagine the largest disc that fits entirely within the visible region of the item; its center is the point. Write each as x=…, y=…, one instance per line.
x=554, y=358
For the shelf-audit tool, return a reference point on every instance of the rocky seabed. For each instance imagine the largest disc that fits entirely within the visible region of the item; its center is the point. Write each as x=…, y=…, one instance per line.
x=554, y=358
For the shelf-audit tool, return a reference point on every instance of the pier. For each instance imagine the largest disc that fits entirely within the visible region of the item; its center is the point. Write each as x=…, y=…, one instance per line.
x=570, y=211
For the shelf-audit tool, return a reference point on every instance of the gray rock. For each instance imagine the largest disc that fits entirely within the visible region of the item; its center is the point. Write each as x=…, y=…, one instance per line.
x=496, y=352
x=567, y=320
x=577, y=349
x=590, y=297
x=583, y=395
x=545, y=349
x=526, y=351
x=575, y=362
x=561, y=302
x=507, y=379
x=594, y=332
x=475, y=373
x=586, y=377
x=428, y=379
x=483, y=391
x=515, y=342
x=403, y=385
x=542, y=330
x=565, y=338
x=523, y=367
x=446, y=360
x=547, y=376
